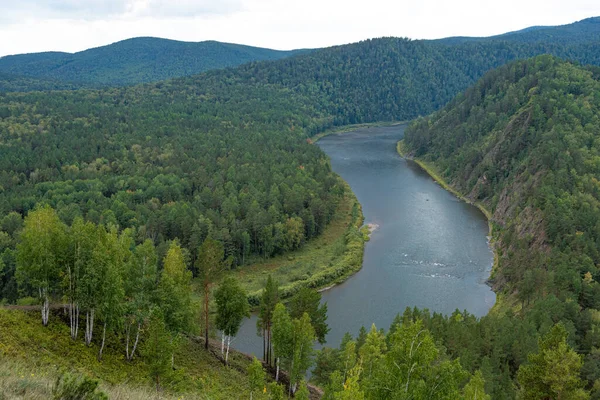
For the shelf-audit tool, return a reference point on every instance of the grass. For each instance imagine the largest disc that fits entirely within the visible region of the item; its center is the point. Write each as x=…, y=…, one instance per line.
x=31, y=357
x=19, y=381
x=351, y=128
x=328, y=259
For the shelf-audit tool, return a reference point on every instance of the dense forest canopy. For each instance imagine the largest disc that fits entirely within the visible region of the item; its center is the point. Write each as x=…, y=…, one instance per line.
x=137, y=60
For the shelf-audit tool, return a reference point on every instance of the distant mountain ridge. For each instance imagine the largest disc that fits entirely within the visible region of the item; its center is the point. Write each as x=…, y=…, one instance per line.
x=584, y=31
x=431, y=70
x=137, y=60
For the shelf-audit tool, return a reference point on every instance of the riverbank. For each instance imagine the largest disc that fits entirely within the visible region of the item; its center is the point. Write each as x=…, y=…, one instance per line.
x=321, y=263
x=351, y=128
x=435, y=175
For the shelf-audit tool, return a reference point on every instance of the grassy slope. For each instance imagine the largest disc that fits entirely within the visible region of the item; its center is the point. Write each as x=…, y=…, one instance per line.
x=331, y=256
x=35, y=354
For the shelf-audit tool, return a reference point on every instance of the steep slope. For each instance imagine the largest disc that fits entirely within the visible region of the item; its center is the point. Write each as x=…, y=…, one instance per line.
x=524, y=141
x=143, y=59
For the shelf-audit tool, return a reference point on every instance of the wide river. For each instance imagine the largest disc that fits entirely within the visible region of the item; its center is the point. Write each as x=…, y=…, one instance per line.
x=430, y=249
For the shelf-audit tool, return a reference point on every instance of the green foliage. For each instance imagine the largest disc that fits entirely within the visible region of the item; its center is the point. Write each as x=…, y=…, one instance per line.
x=475, y=389
x=158, y=348
x=175, y=291
x=256, y=377
x=309, y=301
x=553, y=372
x=72, y=387
x=302, y=393
x=410, y=365
x=276, y=391
x=232, y=306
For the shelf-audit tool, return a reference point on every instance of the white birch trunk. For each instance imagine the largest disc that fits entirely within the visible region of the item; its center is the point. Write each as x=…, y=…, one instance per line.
x=228, y=343
x=89, y=326
x=103, y=339
x=76, y=320
x=222, y=342
x=127, y=342
x=45, y=305
x=277, y=371
x=137, y=338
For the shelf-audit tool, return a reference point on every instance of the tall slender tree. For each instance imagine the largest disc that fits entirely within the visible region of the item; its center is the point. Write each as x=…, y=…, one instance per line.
x=282, y=337
x=140, y=283
x=210, y=265
x=116, y=252
x=175, y=292
x=40, y=253
x=308, y=301
x=232, y=307
x=268, y=300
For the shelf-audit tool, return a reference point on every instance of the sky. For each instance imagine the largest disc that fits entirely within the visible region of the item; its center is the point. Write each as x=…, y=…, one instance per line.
x=28, y=26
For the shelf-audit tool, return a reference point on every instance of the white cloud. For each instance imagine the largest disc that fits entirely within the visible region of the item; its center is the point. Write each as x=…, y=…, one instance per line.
x=71, y=25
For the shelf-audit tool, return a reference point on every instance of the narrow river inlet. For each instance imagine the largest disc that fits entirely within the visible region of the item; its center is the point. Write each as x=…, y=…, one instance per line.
x=429, y=249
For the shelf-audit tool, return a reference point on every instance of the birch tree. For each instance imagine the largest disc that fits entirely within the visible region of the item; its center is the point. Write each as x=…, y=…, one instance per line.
x=140, y=285
x=282, y=337
x=232, y=308
x=210, y=264
x=83, y=240
x=40, y=254
x=91, y=282
x=115, y=252
x=175, y=292
x=303, y=338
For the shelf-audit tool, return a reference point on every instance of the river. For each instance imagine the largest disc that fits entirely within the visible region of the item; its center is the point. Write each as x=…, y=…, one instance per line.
x=430, y=250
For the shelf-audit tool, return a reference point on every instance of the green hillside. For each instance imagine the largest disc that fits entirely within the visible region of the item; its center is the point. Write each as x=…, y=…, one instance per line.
x=409, y=77
x=584, y=31
x=523, y=141
x=137, y=60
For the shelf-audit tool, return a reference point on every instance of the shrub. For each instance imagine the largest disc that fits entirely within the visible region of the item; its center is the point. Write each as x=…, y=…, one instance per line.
x=72, y=387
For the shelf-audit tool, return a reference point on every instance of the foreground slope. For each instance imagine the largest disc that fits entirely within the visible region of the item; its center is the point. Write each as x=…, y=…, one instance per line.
x=32, y=356
x=524, y=142
x=143, y=59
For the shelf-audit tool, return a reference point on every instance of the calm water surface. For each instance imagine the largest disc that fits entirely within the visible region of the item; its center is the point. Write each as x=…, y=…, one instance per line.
x=430, y=249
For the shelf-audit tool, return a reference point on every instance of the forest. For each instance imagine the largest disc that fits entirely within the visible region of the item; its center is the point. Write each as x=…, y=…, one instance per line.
x=127, y=204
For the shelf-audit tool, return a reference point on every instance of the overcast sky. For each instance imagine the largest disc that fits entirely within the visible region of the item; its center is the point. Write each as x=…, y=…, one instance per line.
x=72, y=25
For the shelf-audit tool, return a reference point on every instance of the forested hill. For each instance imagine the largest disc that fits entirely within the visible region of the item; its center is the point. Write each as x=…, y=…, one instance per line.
x=524, y=141
x=584, y=31
x=394, y=78
x=137, y=60
x=388, y=78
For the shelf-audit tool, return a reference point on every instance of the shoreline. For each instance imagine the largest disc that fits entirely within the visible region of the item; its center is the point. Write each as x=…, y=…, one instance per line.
x=430, y=170
x=340, y=130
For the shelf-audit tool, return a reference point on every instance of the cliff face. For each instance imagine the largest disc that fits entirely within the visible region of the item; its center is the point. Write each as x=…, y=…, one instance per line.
x=525, y=141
